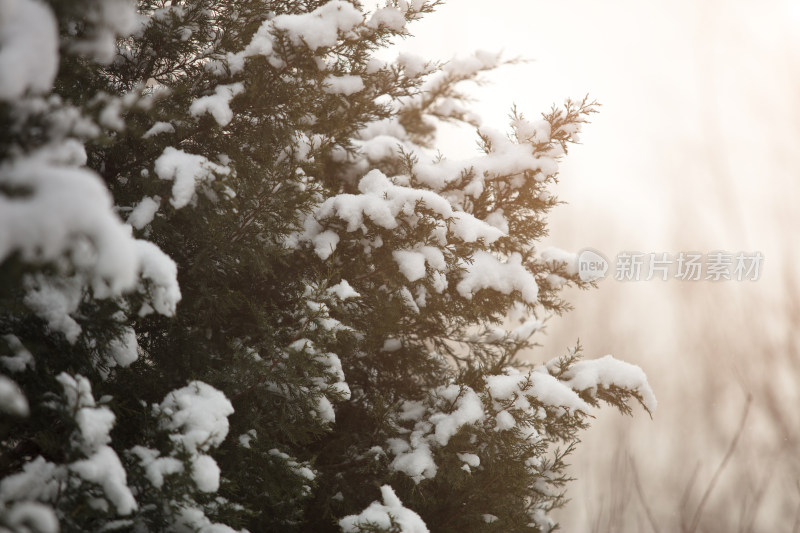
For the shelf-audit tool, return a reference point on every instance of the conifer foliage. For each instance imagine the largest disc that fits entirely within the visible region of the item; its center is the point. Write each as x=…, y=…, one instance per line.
x=241, y=290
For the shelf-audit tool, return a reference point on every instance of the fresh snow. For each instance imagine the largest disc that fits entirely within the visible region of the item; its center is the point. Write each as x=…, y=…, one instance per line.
x=54, y=300
x=21, y=359
x=529, y=392
x=107, y=20
x=526, y=329
x=193, y=520
x=158, y=128
x=69, y=212
x=381, y=515
x=321, y=27
x=470, y=459
x=144, y=212
x=504, y=421
x=411, y=264
x=388, y=17
x=95, y=425
x=31, y=516
x=64, y=210
x=218, y=104
x=488, y=272
x=469, y=409
x=197, y=418
x=465, y=67
x=38, y=480
x=66, y=205
x=205, y=473
x=607, y=371
x=102, y=466
x=28, y=48
x=105, y=469
x=414, y=65
x=162, y=274
x=536, y=385
x=415, y=459
x=556, y=258
x=346, y=85
x=12, y=400
x=391, y=345
x=383, y=203
x=186, y=171
x=197, y=414
x=124, y=351
x=155, y=466
x=343, y=290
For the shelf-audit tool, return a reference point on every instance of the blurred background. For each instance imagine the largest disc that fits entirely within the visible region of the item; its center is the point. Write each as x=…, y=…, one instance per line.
x=696, y=148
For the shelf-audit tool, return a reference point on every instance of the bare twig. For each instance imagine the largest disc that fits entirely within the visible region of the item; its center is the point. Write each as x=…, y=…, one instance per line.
x=687, y=491
x=701, y=506
x=749, y=518
x=640, y=492
x=796, y=527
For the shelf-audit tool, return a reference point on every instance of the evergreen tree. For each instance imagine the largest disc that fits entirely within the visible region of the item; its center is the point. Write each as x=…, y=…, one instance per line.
x=239, y=289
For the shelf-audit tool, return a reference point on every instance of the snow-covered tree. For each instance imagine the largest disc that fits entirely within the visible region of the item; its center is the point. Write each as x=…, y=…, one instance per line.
x=241, y=290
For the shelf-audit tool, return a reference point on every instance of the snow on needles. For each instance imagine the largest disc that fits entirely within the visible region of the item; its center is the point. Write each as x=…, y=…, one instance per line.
x=414, y=456
x=199, y=414
x=28, y=48
x=102, y=465
x=488, y=272
x=161, y=271
x=66, y=210
x=345, y=85
x=320, y=28
x=412, y=262
x=105, y=21
x=218, y=104
x=469, y=409
x=388, y=17
x=381, y=515
x=29, y=41
x=539, y=386
x=382, y=203
x=343, y=290
x=385, y=204
x=12, y=400
x=451, y=408
x=186, y=171
x=608, y=371
x=197, y=417
x=144, y=212
x=63, y=203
